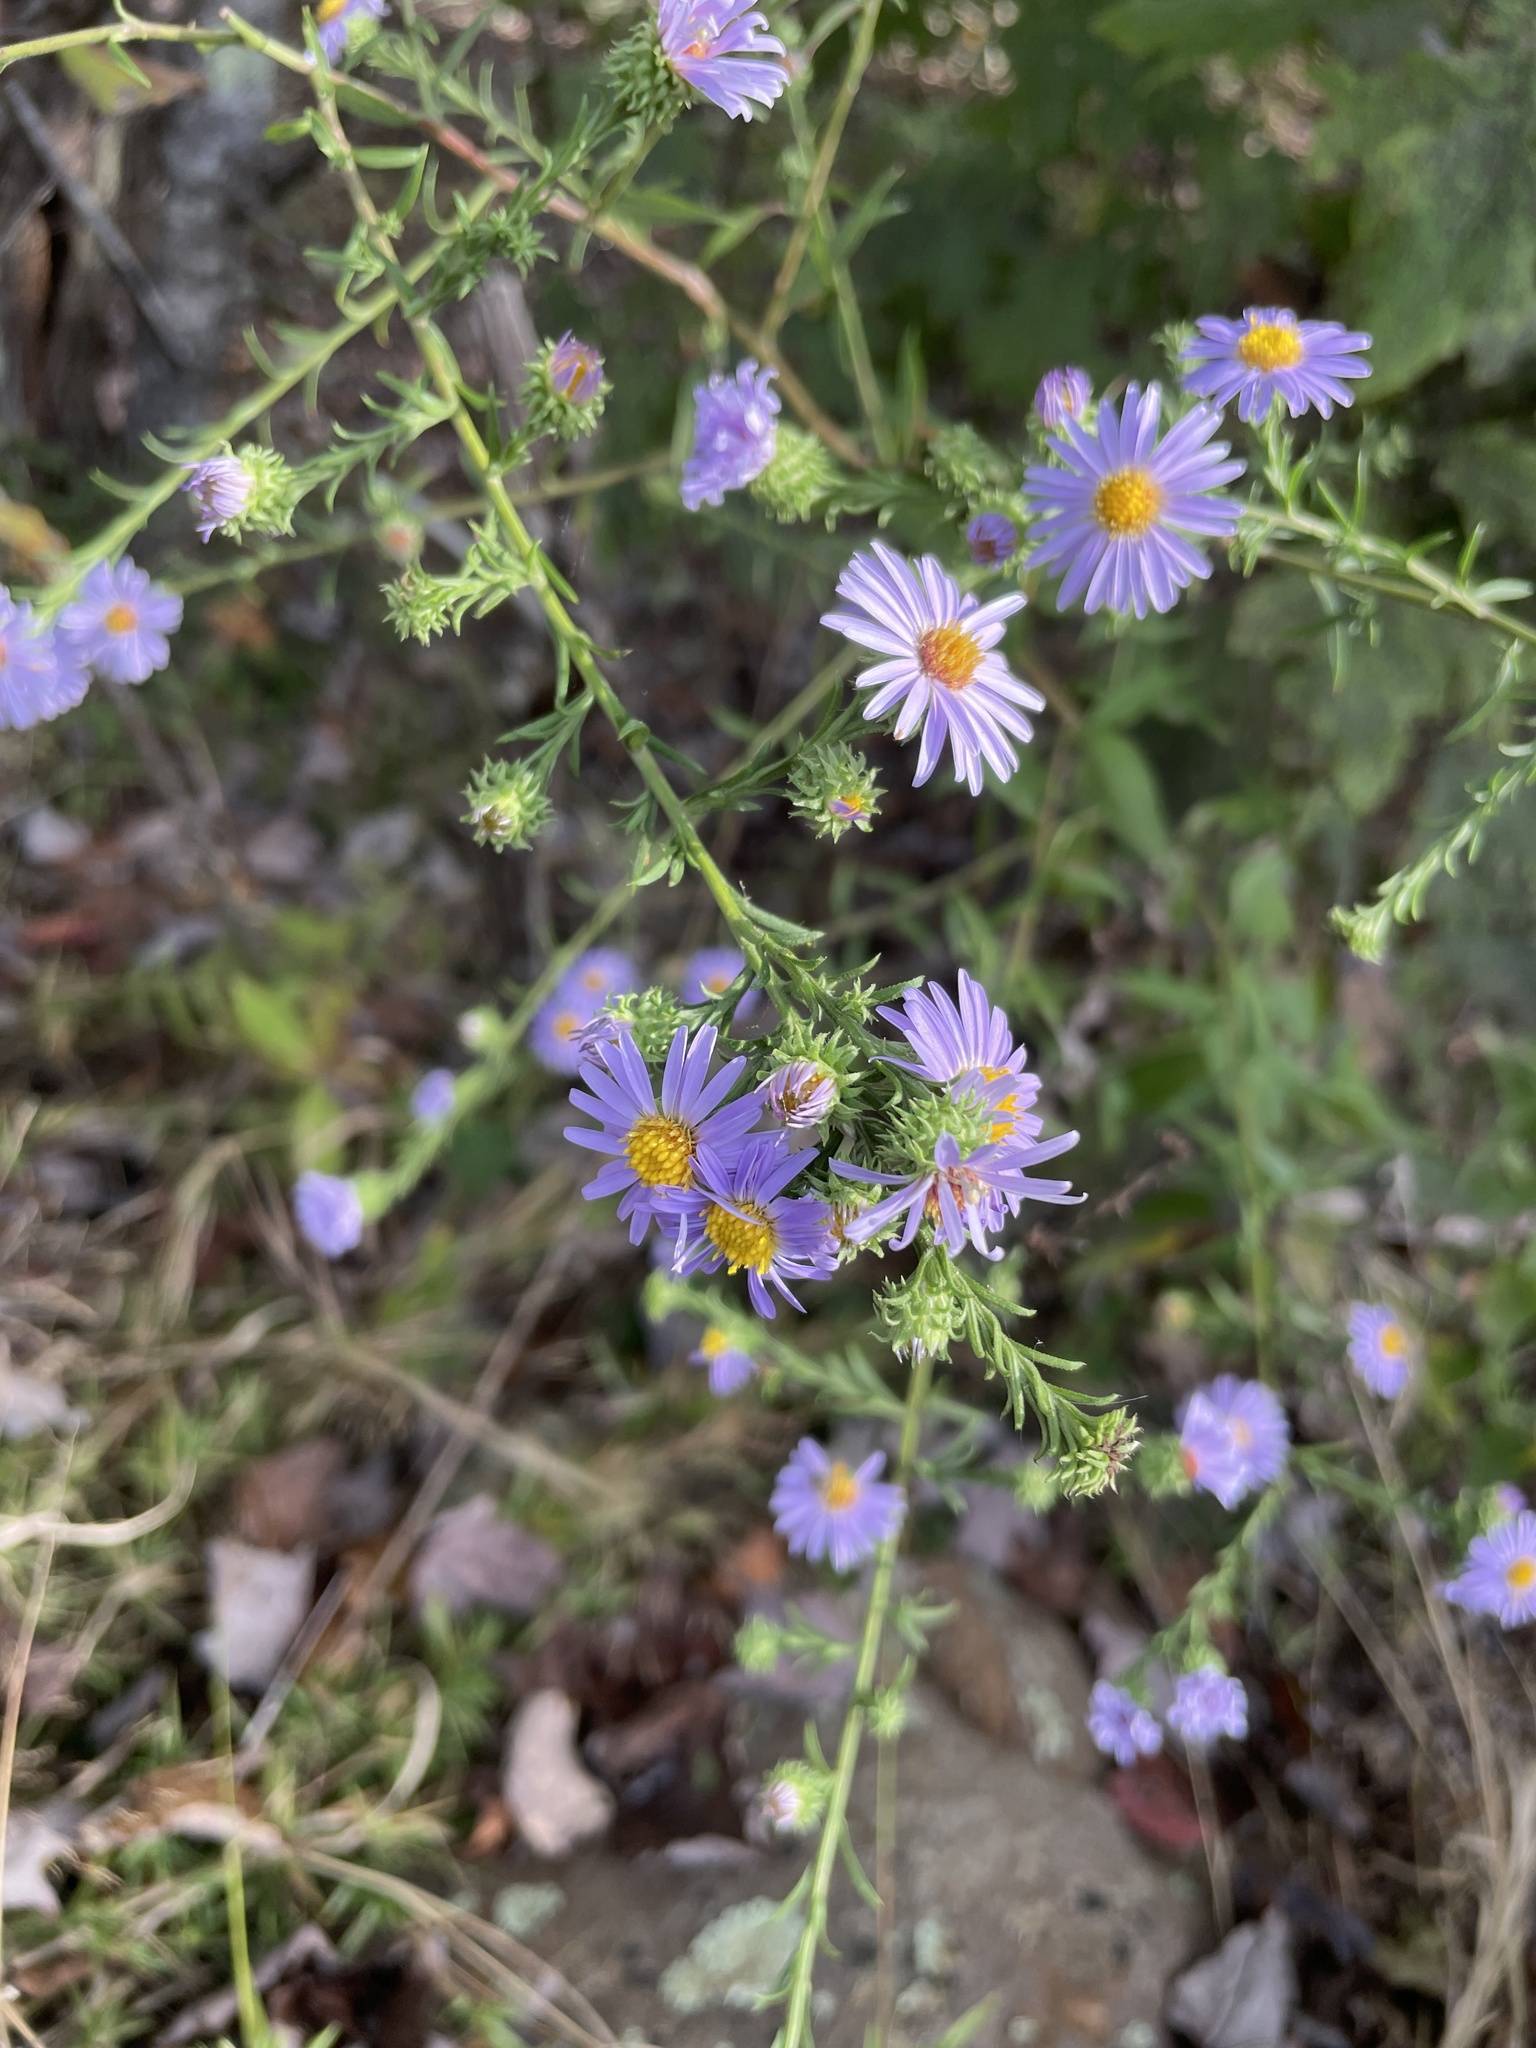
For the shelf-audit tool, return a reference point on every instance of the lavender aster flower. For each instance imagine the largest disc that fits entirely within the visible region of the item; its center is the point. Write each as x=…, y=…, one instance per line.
x=825, y=1508
x=735, y=431
x=1499, y=1575
x=334, y=20
x=722, y=49
x=40, y=675
x=601, y=973
x=730, y=1368
x=555, y=1037
x=1208, y=1704
x=220, y=488
x=939, y=666
x=659, y=1148
x=967, y=1045
x=575, y=368
x=1120, y=1726
x=738, y=1216
x=432, y=1097
x=120, y=622
x=1270, y=354
x=328, y=1213
x=1234, y=1438
x=1062, y=395
x=965, y=1199
x=1121, y=516
x=1380, y=1349
x=710, y=972
x=991, y=538
x=800, y=1095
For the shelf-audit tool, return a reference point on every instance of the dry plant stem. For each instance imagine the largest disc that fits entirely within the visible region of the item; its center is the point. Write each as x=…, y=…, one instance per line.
x=796, y=2031
x=1503, y=1933
x=54, y=1528
x=21, y=1657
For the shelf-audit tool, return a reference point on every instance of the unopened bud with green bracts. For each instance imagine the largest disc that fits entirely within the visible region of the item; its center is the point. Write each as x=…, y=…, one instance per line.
x=508, y=806
x=834, y=790
x=798, y=480
x=564, y=389
x=1094, y=1465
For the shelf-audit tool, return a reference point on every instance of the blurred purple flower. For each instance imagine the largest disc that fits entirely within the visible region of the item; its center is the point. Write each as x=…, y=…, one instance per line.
x=735, y=431
x=432, y=1097
x=1120, y=1726
x=1270, y=354
x=659, y=1149
x=737, y=1216
x=1499, y=1575
x=328, y=1213
x=710, y=972
x=601, y=973
x=220, y=488
x=1206, y=1705
x=1380, y=1349
x=722, y=49
x=40, y=676
x=1062, y=395
x=119, y=622
x=730, y=1368
x=334, y=19
x=991, y=538
x=825, y=1508
x=555, y=1037
x=1120, y=518
x=1234, y=1437
x=939, y=666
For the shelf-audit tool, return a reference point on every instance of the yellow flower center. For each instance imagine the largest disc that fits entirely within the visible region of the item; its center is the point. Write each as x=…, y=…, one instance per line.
x=717, y=984
x=329, y=9
x=566, y=1025
x=949, y=656
x=121, y=618
x=1521, y=1575
x=661, y=1149
x=745, y=1240
x=1127, y=503
x=713, y=1342
x=840, y=1488
x=1271, y=345
x=1393, y=1342
x=853, y=804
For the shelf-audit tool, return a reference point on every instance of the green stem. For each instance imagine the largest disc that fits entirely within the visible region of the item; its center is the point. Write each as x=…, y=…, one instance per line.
x=795, y=2032
x=130, y=30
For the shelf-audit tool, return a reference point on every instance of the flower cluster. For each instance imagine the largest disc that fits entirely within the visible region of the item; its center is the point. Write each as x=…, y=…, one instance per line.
x=1207, y=1703
x=118, y=625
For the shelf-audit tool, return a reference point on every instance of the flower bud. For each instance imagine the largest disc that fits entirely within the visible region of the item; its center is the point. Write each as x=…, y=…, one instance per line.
x=1094, y=1465
x=250, y=489
x=564, y=389
x=964, y=466
x=1062, y=395
x=921, y=1316
x=643, y=82
x=508, y=806
x=759, y=1644
x=835, y=790
x=800, y=476
x=1160, y=1469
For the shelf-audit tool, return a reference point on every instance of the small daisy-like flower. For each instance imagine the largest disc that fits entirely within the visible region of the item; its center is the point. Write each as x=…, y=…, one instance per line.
x=335, y=19
x=1120, y=1726
x=220, y=488
x=722, y=49
x=120, y=622
x=966, y=1045
x=328, y=1213
x=555, y=1037
x=601, y=973
x=1499, y=1575
x=824, y=1508
x=40, y=676
x=735, y=431
x=730, y=1368
x=1270, y=354
x=432, y=1097
x=800, y=1095
x=1208, y=1704
x=575, y=368
x=660, y=1147
x=1234, y=1438
x=710, y=972
x=1122, y=516
x=965, y=1199
x=939, y=666
x=1062, y=395
x=1380, y=1349
x=991, y=538
x=739, y=1217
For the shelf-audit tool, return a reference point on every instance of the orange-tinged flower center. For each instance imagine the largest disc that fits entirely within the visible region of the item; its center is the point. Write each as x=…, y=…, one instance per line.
x=1127, y=502
x=1393, y=1342
x=1521, y=1575
x=593, y=978
x=1189, y=1458
x=121, y=618
x=661, y=1149
x=840, y=1488
x=329, y=9
x=949, y=656
x=1242, y=1434
x=717, y=984
x=745, y=1240
x=566, y=1025
x=1271, y=345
